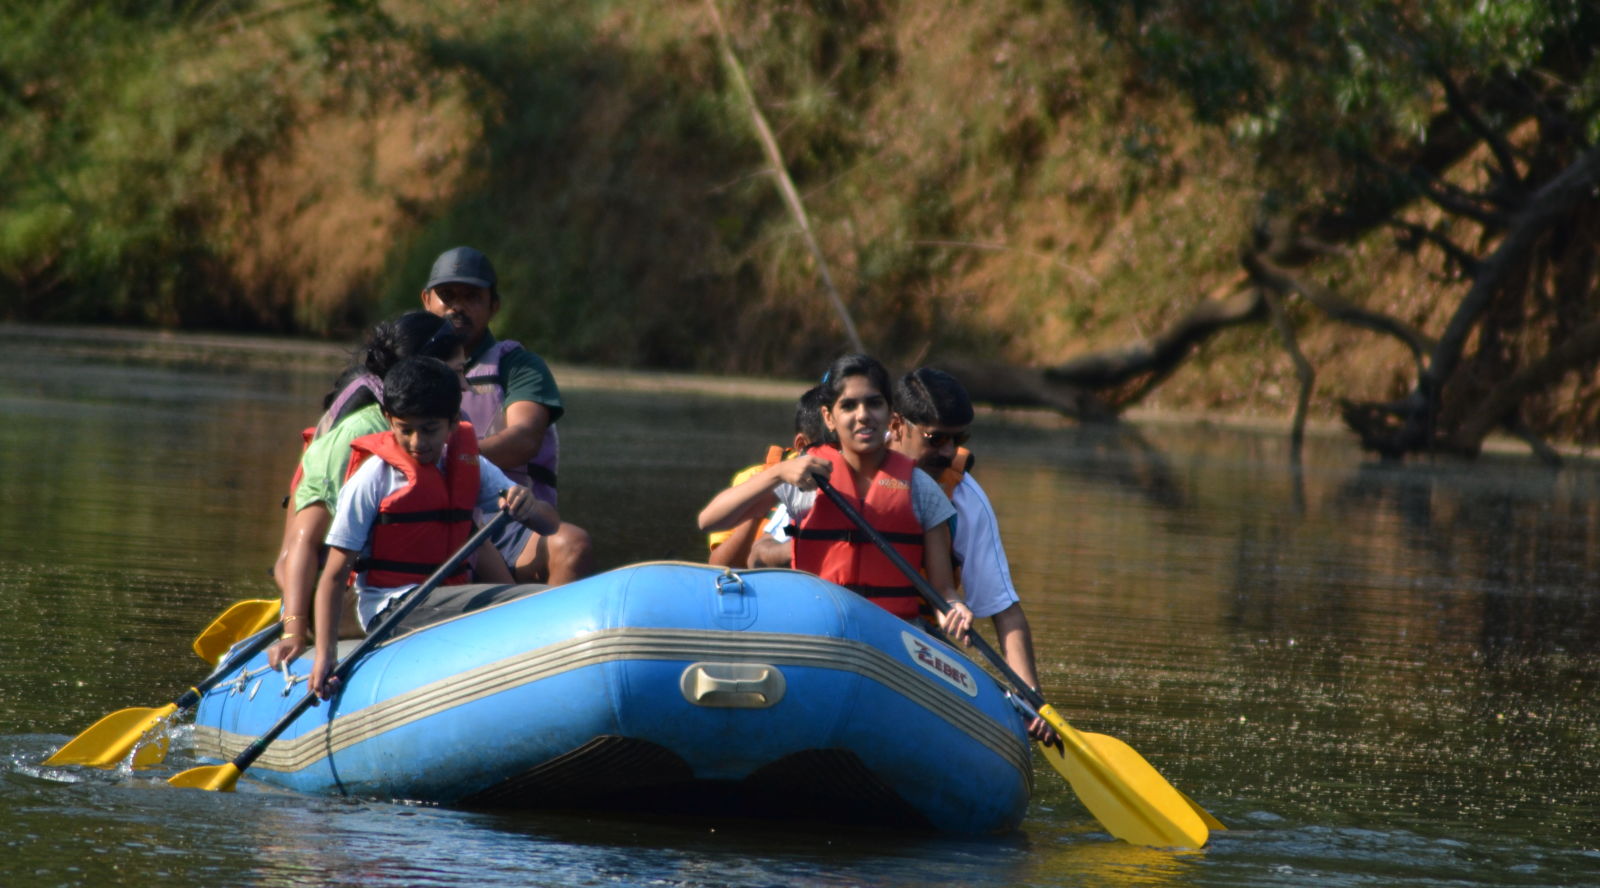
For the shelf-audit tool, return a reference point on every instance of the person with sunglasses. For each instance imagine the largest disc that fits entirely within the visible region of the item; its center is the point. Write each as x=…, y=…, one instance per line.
x=932, y=416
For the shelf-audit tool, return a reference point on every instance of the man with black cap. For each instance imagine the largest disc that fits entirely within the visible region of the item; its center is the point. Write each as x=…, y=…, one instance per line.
x=513, y=403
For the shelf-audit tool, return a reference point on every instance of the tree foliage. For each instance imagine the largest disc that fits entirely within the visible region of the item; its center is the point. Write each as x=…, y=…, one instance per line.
x=1467, y=128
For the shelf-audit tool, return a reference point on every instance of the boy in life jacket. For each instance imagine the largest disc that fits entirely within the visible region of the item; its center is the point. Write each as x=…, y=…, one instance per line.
x=899, y=500
x=736, y=548
x=932, y=414
x=513, y=402
x=407, y=504
x=351, y=411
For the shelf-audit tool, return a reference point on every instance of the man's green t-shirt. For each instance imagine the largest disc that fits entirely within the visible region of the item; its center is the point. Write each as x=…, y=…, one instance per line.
x=323, y=465
x=525, y=375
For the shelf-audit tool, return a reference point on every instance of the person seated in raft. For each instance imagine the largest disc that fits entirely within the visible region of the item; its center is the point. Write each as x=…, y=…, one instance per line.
x=351, y=410
x=734, y=548
x=773, y=546
x=513, y=402
x=932, y=415
x=896, y=498
x=426, y=463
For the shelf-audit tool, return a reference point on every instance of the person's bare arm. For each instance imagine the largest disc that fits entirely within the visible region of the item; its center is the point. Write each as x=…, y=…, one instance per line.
x=941, y=576
x=753, y=497
x=768, y=552
x=735, y=545
x=329, y=609
x=535, y=514
x=1016, y=642
x=1016, y=645
x=297, y=579
x=517, y=444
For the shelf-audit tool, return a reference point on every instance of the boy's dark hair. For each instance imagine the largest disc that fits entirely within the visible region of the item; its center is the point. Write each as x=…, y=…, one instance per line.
x=808, y=416
x=855, y=365
x=422, y=388
x=929, y=397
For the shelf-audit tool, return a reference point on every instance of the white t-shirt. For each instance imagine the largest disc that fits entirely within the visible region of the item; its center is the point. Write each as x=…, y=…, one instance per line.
x=357, y=512
x=985, y=572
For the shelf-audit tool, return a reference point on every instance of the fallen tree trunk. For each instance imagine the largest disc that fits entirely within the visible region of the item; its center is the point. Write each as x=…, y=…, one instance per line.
x=1162, y=353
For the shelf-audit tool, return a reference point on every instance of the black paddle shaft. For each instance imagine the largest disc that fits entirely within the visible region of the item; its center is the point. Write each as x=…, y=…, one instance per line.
x=926, y=588
x=252, y=646
x=395, y=614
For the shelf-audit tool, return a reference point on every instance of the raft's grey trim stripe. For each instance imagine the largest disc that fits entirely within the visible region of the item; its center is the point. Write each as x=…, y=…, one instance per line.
x=625, y=644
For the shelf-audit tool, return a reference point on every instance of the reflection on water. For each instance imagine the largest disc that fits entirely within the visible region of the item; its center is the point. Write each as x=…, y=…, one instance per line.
x=1373, y=675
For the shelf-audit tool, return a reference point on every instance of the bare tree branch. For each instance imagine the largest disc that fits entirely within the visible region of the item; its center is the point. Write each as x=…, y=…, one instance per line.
x=1415, y=430
x=1453, y=199
x=1302, y=370
x=1008, y=385
x=1464, y=260
x=1505, y=157
x=1547, y=206
x=1268, y=274
x=1165, y=350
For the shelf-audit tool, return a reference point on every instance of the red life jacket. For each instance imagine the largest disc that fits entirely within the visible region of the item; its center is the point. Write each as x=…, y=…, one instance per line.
x=828, y=544
x=425, y=522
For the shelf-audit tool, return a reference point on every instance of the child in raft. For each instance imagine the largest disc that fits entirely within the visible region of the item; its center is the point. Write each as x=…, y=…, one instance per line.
x=408, y=502
x=352, y=409
x=748, y=545
x=899, y=500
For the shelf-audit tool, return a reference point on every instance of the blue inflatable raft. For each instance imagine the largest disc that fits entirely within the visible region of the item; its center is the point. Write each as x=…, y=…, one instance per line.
x=661, y=686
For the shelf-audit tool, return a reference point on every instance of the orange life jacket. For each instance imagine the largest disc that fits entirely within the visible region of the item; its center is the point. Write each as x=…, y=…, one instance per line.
x=949, y=479
x=828, y=544
x=425, y=522
x=953, y=473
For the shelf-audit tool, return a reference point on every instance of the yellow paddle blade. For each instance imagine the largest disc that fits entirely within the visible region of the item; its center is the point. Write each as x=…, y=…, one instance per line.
x=108, y=741
x=1128, y=796
x=215, y=778
x=242, y=620
x=1111, y=748
x=1211, y=823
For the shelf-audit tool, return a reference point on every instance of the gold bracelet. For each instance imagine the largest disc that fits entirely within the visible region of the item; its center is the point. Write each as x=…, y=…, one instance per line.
x=288, y=635
x=293, y=617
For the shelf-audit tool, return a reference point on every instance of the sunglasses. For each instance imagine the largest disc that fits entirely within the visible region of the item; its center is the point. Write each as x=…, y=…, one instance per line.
x=938, y=439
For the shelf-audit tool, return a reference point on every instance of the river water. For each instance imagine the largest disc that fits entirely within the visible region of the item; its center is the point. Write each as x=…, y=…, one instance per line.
x=1372, y=675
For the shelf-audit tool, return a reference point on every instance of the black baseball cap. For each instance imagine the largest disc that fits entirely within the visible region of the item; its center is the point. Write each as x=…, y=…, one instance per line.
x=461, y=265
